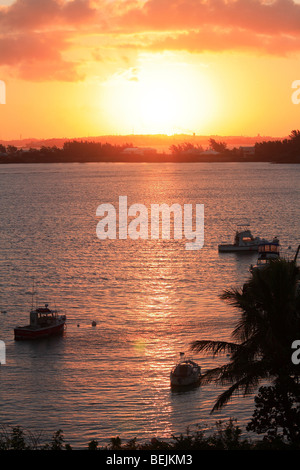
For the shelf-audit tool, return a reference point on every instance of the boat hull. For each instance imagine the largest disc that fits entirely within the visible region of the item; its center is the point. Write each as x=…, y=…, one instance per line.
x=28, y=333
x=185, y=374
x=181, y=382
x=236, y=248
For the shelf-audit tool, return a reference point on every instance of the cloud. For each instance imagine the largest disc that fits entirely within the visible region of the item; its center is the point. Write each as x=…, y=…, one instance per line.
x=31, y=14
x=280, y=16
x=216, y=25
x=50, y=71
x=37, y=56
x=214, y=40
x=37, y=37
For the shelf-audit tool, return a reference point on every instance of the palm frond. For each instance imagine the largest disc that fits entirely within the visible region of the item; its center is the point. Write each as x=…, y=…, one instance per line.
x=232, y=296
x=213, y=375
x=269, y=304
x=247, y=384
x=216, y=347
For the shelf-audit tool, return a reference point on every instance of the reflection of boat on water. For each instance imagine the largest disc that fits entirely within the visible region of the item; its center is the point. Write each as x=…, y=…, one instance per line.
x=243, y=241
x=185, y=374
x=267, y=252
x=44, y=322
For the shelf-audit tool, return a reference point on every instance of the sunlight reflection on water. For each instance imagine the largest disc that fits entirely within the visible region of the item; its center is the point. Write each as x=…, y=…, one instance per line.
x=150, y=298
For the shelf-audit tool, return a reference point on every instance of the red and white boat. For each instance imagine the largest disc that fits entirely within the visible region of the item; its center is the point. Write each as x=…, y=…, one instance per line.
x=43, y=322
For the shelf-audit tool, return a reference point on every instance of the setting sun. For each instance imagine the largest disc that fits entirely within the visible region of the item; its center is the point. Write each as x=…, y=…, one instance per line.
x=162, y=96
x=148, y=67
x=171, y=96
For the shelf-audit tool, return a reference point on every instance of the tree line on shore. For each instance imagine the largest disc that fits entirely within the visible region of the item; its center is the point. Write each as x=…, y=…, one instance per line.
x=280, y=151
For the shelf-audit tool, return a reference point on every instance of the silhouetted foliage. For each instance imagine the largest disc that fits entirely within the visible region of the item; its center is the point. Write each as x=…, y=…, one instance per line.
x=180, y=149
x=220, y=147
x=91, y=151
x=57, y=442
x=285, y=151
x=93, y=445
x=225, y=436
x=277, y=413
x=269, y=306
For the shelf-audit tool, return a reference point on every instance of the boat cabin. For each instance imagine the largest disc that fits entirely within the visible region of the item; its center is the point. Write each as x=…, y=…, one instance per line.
x=244, y=237
x=267, y=252
x=42, y=316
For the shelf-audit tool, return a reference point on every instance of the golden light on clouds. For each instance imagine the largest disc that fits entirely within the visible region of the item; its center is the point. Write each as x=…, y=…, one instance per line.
x=94, y=67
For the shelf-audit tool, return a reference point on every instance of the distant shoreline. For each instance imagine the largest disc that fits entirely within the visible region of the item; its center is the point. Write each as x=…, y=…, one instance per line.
x=146, y=161
x=278, y=151
x=158, y=159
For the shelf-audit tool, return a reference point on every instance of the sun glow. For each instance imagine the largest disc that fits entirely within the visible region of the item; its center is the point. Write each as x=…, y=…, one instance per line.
x=163, y=96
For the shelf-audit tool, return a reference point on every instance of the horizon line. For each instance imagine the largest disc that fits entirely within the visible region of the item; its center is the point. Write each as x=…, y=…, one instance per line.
x=153, y=136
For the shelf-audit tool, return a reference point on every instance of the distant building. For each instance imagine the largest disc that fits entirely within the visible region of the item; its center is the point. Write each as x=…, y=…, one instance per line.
x=199, y=152
x=210, y=152
x=193, y=151
x=142, y=151
x=247, y=151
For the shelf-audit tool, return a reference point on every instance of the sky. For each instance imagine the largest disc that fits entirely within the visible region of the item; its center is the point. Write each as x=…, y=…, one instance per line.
x=96, y=67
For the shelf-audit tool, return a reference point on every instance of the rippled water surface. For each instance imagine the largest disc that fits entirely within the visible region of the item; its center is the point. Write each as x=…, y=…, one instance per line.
x=150, y=298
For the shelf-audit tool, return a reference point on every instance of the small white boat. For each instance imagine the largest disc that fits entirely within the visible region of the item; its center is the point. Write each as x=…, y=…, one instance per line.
x=243, y=241
x=267, y=252
x=185, y=373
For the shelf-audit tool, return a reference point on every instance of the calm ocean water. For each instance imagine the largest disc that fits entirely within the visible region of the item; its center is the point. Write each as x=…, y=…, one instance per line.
x=150, y=298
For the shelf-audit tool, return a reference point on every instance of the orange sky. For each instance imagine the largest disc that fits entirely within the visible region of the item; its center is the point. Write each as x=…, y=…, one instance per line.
x=93, y=67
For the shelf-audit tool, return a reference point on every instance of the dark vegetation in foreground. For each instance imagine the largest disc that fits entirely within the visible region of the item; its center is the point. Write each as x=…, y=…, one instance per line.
x=226, y=436
x=278, y=151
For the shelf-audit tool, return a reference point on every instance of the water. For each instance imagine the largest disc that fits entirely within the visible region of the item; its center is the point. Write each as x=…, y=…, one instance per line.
x=150, y=298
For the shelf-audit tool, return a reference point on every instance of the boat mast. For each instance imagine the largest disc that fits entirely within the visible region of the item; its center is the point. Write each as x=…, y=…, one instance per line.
x=32, y=294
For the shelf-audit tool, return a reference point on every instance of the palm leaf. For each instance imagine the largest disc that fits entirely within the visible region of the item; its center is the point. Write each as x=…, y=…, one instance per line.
x=247, y=384
x=216, y=347
x=269, y=303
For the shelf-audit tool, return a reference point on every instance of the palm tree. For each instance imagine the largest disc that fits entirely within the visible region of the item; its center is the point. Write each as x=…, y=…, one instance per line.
x=269, y=303
x=295, y=135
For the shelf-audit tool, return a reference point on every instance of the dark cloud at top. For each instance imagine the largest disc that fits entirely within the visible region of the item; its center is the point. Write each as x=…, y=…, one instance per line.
x=35, y=35
x=280, y=16
x=32, y=14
